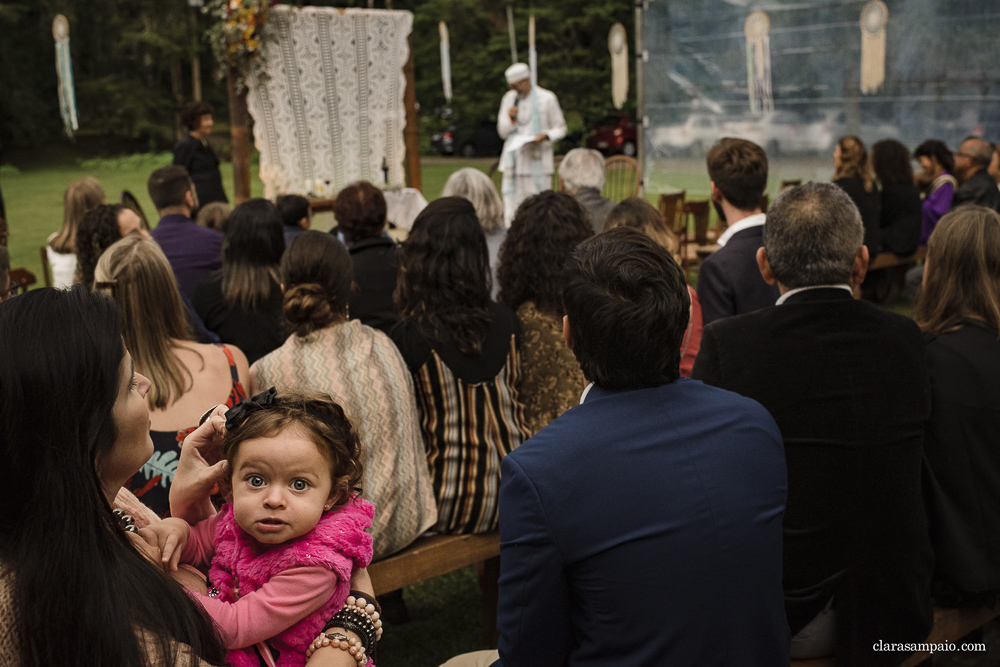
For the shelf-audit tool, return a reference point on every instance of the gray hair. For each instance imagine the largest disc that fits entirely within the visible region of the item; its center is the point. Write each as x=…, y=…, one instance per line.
x=582, y=168
x=812, y=234
x=980, y=150
x=476, y=187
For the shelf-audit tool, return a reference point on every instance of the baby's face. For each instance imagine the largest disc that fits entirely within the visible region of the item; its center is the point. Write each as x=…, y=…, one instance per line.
x=281, y=487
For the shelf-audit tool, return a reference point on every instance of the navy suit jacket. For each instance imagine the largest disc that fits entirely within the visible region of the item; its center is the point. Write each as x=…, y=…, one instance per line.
x=193, y=251
x=644, y=528
x=729, y=281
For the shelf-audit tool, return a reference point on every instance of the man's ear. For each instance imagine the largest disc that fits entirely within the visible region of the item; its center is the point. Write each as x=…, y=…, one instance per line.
x=765, y=267
x=860, y=267
x=716, y=193
x=567, y=332
x=189, y=199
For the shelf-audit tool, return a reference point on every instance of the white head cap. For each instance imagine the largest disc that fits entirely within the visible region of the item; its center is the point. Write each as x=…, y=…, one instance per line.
x=517, y=72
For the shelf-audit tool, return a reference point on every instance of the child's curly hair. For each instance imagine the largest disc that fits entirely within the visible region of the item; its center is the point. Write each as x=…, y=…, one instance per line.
x=322, y=420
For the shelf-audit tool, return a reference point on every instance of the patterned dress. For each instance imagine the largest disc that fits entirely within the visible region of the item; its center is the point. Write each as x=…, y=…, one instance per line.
x=363, y=371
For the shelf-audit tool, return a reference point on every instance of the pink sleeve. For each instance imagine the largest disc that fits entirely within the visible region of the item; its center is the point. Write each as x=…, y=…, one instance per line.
x=283, y=601
x=200, y=546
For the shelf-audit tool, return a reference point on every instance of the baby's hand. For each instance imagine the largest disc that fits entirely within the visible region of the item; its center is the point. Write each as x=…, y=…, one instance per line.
x=171, y=536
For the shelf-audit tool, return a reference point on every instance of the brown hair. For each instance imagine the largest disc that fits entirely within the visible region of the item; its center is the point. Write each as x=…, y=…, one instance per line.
x=739, y=169
x=639, y=214
x=136, y=274
x=214, y=215
x=80, y=197
x=360, y=210
x=854, y=161
x=168, y=185
x=191, y=116
x=320, y=419
x=318, y=274
x=251, y=252
x=962, y=274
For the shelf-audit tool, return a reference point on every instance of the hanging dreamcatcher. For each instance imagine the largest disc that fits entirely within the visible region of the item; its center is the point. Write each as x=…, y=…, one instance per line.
x=618, y=47
x=64, y=72
x=874, y=17
x=756, y=29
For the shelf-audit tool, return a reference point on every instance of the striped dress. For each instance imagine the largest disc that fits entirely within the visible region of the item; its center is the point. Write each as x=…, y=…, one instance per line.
x=471, y=417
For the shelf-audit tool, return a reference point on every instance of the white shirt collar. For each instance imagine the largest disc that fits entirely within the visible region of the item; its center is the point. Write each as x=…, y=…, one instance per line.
x=586, y=391
x=754, y=220
x=784, y=297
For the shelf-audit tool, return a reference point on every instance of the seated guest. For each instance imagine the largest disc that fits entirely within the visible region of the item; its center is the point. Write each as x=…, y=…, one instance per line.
x=60, y=249
x=194, y=153
x=474, y=185
x=959, y=313
x=193, y=251
x=295, y=213
x=546, y=229
x=581, y=174
x=5, y=287
x=994, y=168
x=847, y=384
x=73, y=428
x=853, y=175
x=900, y=218
x=186, y=376
x=613, y=551
x=360, y=211
x=728, y=281
x=100, y=227
x=640, y=214
x=330, y=354
x=976, y=186
x=462, y=349
x=936, y=181
x=241, y=302
x=214, y=216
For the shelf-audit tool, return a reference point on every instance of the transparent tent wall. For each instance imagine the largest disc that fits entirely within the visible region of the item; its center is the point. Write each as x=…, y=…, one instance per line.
x=793, y=82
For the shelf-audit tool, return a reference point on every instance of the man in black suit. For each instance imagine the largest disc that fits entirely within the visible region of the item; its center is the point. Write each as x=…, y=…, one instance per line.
x=976, y=186
x=729, y=282
x=847, y=384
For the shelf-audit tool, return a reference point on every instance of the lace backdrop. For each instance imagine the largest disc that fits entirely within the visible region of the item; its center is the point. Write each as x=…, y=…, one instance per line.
x=328, y=107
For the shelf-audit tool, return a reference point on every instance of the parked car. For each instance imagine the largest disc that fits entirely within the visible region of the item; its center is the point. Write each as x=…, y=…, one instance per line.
x=783, y=132
x=694, y=136
x=614, y=134
x=480, y=141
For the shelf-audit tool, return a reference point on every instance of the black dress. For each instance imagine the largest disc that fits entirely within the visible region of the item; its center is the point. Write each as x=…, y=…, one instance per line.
x=900, y=219
x=869, y=205
x=255, y=332
x=376, y=267
x=199, y=159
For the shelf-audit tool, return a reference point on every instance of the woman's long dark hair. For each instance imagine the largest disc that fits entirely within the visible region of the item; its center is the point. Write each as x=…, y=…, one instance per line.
x=444, y=275
x=255, y=240
x=546, y=229
x=97, y=231
x=80, y=588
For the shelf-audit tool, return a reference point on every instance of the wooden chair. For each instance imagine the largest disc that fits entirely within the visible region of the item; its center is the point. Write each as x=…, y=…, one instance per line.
x=46, y=269
x=128, y=200
x=671, y=207
x=622, y=177
x=789, y=184
x=23, y=279
x=496, y=176
x=697, y=216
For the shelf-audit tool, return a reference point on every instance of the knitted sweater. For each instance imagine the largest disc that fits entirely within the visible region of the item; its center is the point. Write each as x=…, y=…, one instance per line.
x=338, y=541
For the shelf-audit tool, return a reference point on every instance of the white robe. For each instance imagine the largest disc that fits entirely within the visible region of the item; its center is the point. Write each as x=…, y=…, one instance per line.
x=530, y=157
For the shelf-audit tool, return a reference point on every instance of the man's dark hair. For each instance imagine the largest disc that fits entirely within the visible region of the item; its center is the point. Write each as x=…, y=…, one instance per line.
x=937, y=149
x=360, y=210
x=739, y=169
x=193, y=111
x=292, y=208
x=168, y=185
x=628, y=306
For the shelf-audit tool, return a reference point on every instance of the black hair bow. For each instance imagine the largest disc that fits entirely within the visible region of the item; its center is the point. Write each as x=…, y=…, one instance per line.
x=237, y=414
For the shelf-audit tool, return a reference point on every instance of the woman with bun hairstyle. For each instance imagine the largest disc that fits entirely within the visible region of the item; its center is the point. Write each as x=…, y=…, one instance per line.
x=363, y=370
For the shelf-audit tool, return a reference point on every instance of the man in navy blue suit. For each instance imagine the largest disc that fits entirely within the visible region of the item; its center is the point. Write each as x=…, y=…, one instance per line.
x=643, y=526
x=728, y=281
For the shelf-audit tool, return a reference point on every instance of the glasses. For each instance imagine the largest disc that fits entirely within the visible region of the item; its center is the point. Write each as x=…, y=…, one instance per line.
x=10, y=291
x=965, y=155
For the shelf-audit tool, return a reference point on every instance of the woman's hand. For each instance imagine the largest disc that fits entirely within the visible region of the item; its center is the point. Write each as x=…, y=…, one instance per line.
x=199, y=469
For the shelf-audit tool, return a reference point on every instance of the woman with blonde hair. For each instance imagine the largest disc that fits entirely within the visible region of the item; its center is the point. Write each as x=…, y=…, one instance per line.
x=853, y=174
x=80, y=197
x=187, y=377
x=476, y=187
x=959, y=313
x=361, y=367
x=640, y=214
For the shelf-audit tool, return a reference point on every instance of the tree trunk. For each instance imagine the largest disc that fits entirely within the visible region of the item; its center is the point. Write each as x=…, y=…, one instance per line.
x=239, y=131
x=411, y=135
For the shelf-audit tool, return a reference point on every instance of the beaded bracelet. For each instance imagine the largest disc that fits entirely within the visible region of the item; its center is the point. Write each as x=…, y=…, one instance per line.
x=370, y=609
x=340, y=641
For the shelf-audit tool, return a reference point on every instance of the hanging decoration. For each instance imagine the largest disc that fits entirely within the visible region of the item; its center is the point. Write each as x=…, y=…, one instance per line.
x=874, y=17
x=532, y=54
x=618, y=47
x=756, y=28
x=445, y=61
x=64, y=70
x=237, y=36
x=510, y=34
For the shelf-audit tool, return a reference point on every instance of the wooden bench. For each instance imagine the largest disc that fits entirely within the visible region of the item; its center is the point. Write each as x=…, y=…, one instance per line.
x=950, y=625
x=430, y=557
x=887, y=260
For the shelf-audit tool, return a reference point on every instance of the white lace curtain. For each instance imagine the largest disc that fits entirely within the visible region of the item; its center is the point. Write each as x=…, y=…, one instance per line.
x=328, y=109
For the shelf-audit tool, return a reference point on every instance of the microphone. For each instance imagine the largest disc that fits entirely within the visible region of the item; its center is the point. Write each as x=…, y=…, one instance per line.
x=517, y=100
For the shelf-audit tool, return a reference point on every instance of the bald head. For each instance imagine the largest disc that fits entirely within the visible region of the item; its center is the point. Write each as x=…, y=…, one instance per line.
x=974, y=155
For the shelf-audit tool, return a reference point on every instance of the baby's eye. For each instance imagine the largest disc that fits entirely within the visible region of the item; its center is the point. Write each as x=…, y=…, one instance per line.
x=300, y=485
x=255, y=481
